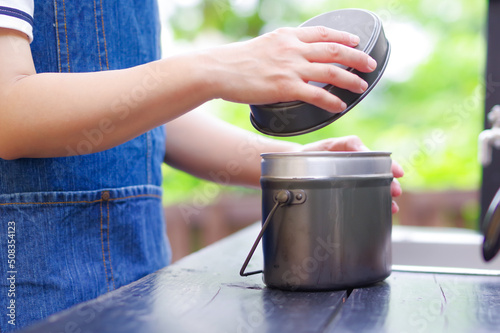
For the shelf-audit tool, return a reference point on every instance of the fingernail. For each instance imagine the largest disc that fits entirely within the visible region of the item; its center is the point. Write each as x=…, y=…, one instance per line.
x=343, y=106
x=395, y=207
x=401, y=170
x=398, y=168
x=354, y=39
x=372, y=64
x=363, y=85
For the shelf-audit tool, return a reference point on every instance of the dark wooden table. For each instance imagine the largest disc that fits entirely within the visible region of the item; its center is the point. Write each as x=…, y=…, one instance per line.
x=204, y=293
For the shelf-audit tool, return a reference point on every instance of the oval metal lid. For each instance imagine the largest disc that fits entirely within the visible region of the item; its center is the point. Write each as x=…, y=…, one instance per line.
x=317, y=165
x=491, y=243
x=298, y=117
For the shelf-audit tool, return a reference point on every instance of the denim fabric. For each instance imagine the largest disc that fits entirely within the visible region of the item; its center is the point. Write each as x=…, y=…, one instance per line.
x=86, y=224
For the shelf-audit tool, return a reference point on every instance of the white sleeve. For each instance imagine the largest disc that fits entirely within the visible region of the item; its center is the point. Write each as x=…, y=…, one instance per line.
x=17, y=15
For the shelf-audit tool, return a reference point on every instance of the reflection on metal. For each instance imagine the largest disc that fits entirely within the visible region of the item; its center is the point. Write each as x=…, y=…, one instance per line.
x=445, y=270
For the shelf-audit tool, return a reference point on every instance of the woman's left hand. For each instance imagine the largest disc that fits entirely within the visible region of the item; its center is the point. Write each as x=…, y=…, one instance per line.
x=353, y=143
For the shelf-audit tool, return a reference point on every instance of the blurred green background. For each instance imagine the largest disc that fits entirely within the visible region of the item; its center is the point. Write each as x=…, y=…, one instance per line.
x=427, y=109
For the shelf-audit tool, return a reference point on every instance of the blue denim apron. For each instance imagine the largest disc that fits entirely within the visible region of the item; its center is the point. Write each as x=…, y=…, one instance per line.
x=73, y=228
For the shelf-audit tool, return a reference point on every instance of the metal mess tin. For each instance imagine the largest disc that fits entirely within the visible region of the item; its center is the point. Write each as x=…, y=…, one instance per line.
x=327, y=220
x=297, y=117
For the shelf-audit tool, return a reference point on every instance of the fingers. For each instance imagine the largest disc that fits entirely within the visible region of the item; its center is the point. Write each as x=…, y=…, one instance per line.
x=323, y=47
x=346, y=143
x=336, y=76
x=396, y=190
x=397, y=170
x=323, y=34
x=341, y=54
x=395, y=207
x=354, y=143
x=320, y=98
x=351, y=143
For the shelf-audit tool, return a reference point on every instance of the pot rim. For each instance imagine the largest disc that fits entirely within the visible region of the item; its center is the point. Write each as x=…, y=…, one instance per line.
x=325, y=165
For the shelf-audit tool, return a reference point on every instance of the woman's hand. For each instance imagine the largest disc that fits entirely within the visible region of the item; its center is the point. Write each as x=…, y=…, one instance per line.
x=353, y=143
x=276, y=67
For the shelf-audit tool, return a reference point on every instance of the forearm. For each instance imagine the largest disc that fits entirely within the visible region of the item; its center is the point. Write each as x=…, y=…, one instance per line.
x=52, y=114
x=209, y=148
x=62, y=109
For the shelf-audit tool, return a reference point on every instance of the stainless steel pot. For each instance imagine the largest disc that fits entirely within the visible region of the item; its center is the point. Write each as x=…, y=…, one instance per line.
x=327, y=220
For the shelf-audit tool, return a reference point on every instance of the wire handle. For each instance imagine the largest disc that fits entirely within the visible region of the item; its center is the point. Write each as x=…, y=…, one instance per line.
x=283, y=198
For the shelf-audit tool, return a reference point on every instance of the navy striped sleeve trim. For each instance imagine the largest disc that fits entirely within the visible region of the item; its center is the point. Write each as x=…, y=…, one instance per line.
x=16, y=13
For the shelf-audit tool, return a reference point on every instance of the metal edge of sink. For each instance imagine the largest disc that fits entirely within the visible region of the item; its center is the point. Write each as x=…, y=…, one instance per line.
x=440, y=250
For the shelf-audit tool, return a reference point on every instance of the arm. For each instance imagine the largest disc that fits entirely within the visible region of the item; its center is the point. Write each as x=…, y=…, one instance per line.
x=210, y=148
x=50, y=114
x=215, y=150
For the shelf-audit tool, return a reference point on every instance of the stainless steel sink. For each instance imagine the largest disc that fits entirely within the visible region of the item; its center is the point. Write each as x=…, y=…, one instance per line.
x=440, y=250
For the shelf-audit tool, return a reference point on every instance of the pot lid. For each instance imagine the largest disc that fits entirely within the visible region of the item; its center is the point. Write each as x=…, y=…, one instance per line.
x=297, y=117
x=491, y=243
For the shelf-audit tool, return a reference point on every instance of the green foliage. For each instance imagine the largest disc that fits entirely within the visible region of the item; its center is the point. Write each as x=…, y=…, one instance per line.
x=429, y=114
